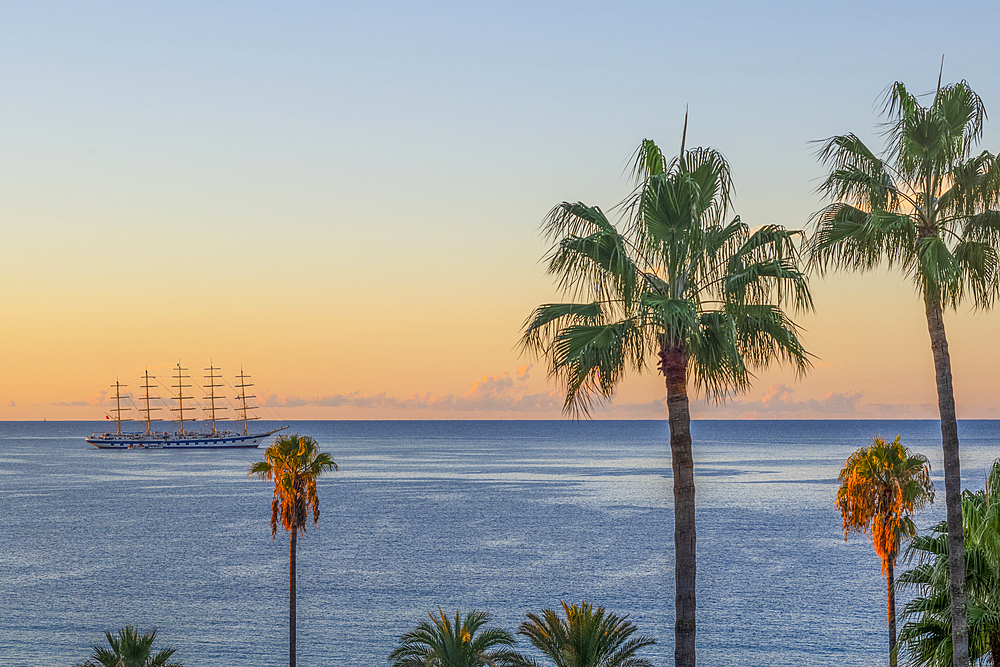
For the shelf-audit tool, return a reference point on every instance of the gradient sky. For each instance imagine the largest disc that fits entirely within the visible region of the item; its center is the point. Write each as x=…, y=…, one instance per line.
x=345, y=197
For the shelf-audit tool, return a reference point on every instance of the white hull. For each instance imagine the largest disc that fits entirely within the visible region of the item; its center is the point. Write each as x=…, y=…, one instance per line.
x=224, y=440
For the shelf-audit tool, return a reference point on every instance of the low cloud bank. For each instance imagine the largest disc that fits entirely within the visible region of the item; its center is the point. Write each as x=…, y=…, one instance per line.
x=493, y=393
x=778, y=402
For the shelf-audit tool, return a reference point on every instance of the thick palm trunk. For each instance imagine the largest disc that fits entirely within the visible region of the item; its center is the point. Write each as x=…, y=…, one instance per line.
x=952, y=481
x=890, y=593
x=291, y=599
x=995, y=649
x=673, y=364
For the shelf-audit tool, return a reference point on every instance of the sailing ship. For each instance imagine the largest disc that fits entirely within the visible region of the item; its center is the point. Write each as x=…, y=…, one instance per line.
x=182, y=438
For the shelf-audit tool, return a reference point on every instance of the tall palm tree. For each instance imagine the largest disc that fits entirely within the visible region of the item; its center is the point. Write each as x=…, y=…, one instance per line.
x=293, y=463
x=585, y=638
x=130, y=649
x=926, y=206
x=678, y=283
x=881, y=486
x=445, y=642
x=926, y=634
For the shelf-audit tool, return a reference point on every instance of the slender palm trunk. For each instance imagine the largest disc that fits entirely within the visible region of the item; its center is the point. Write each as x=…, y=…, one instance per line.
x=673, y=364
x=952, y=481
x=890, y=594
x=291, y=599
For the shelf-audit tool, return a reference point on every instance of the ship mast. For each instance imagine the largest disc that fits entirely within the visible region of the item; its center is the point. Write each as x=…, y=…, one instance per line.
x=212, y=377
x=243, y=398
x=180, y=377
x=147, y=386
x=118, y=404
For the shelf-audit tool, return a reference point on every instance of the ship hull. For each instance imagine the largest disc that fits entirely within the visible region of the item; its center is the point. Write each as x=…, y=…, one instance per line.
x=175, y=441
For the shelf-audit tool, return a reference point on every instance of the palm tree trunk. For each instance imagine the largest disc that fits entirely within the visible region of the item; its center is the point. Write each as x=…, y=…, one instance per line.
x=890, y=593
x=291, y=599
x=952, y=480
x=673, y=364
x=994, y=640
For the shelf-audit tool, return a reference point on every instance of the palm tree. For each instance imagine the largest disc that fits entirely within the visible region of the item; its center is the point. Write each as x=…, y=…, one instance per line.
x=926, y=635
x=455, y=643
x=585, y=638
x=926, y=207
x=677, y=283
x=130, y=649
x=881, y=486
x=293, y=463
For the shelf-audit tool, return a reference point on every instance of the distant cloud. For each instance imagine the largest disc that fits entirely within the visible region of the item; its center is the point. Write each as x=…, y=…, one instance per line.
x=900, y=410
x=492, y=393
x=99, y=398
x=11, y=404
x=777, y=402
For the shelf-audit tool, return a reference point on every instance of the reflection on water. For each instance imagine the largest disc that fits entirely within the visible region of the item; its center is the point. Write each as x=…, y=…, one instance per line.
x=509, y=518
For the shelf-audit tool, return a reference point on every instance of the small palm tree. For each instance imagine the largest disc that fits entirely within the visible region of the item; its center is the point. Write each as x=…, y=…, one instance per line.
x=293, y=463
x=928, y=207
x=677, y=283
x=881, y=486
x=585, y=638
x=926, y=634
x=446, y=642
x=130, y=649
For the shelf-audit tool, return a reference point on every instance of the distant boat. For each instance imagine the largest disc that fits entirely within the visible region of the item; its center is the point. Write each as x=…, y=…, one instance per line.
x=182, y=439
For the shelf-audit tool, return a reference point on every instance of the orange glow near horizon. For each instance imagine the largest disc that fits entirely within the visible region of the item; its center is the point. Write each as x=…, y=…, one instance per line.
x=868, y=334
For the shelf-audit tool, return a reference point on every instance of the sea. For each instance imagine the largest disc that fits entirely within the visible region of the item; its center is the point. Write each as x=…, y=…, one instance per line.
x=507, y=517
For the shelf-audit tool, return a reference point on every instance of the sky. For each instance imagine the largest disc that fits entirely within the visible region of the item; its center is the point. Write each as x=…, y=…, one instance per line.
x=344, y=199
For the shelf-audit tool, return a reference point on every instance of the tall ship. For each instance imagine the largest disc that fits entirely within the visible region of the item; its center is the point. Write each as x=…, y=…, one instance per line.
x=182, y=438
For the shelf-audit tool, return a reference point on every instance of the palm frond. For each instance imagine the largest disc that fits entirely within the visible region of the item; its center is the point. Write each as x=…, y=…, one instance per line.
x=847, y=237
x=541, y=327
x=592, y=359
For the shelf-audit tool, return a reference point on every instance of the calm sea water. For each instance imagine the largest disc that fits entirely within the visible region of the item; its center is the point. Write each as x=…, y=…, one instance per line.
x=507, y=517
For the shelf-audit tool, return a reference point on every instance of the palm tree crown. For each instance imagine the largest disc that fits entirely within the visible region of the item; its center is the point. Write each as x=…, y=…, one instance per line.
x=586, y=637
x=926, y=206
x=130, y=649
x=676, y=276
x=457, y=642
x=293, y=463
x=881, y=486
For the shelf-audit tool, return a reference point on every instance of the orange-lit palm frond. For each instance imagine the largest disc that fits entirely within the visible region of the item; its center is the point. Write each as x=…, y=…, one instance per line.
x=881, y=487
x=293, y=463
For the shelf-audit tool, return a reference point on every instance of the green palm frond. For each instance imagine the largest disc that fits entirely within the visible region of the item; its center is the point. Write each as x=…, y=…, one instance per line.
x=764, y=333
x=544, y=323
x=849, y=238
x=720, y=366
x=857, y=175
x=598, y=263
x=592, y=359
x=939, y=270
